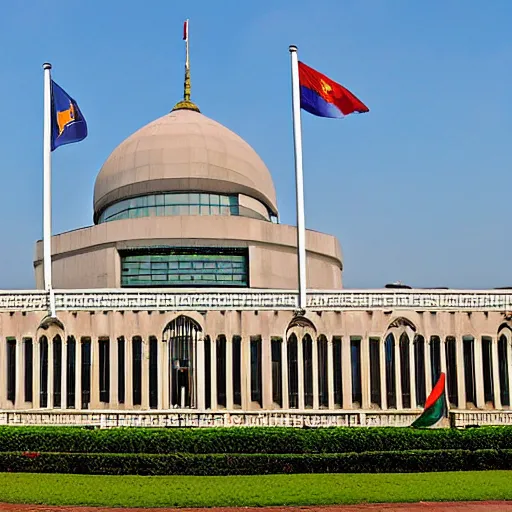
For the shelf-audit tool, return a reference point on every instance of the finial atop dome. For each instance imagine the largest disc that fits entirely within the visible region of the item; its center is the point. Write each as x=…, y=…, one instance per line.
x=186, y=103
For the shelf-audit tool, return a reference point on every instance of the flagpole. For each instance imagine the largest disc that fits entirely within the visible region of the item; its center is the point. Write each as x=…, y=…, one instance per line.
x=47, y=188
x=299, y=182
x=186, y=46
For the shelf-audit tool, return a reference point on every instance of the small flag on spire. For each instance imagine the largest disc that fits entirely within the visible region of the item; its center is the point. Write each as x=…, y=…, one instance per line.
x=185, y=31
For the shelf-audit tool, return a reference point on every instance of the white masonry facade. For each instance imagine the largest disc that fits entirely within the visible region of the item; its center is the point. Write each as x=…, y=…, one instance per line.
x=196, y=358
x=179, y=307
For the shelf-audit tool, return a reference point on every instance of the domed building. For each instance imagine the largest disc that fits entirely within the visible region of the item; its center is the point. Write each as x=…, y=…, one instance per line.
x=179, y=307
x=185, y=202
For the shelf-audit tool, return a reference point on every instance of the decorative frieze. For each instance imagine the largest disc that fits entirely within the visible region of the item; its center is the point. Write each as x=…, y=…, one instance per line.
x=216, y=419
x=194, y=300
x=462, y=419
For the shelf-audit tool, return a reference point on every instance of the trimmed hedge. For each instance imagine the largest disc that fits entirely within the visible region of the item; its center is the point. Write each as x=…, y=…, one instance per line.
x=250, y=440
x=252, y=464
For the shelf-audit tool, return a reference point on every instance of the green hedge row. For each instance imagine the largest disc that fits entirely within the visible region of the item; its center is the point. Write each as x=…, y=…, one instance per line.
x=252, y=464
x=250, y=440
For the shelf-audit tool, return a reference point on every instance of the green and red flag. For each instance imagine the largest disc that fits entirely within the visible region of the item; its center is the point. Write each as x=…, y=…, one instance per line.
x=435, y=406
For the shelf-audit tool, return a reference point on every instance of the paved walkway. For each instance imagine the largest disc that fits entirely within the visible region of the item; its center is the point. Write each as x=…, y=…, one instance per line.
x=481, y=506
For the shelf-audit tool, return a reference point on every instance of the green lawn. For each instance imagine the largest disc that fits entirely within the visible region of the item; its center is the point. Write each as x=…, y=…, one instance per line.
x=198, y=491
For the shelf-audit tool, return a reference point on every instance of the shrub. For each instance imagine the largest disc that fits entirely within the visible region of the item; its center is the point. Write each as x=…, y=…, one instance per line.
x=250, y=440
x=251, y=464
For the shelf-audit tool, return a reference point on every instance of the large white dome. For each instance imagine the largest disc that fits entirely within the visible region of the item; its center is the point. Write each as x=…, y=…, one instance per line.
x=183, y=151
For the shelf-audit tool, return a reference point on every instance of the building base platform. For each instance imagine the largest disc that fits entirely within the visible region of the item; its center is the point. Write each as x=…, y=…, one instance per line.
x=302, y=419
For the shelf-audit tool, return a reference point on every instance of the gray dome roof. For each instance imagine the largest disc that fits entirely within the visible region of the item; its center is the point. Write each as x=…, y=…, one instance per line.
x=183, y=151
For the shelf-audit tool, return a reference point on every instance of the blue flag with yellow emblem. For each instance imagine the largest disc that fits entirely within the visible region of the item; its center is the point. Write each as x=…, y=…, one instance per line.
x=68, y=123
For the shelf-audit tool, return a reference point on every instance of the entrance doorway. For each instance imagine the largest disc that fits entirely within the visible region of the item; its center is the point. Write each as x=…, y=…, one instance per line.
x=182, y=334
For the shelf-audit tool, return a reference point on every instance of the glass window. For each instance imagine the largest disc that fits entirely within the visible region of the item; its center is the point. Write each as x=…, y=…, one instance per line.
x=188, y=267
x=171, y=204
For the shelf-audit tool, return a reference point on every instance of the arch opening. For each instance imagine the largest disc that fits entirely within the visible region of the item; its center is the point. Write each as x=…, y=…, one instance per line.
x=181, y=335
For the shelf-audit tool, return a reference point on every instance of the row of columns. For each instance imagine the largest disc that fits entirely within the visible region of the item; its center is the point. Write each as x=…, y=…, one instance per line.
x=164, y=384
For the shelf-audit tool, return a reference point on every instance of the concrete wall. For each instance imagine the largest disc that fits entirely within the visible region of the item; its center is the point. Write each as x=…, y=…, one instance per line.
x=88, y=257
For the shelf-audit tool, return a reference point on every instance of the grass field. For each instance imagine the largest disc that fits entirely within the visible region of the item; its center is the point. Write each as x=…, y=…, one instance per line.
x=196, y=491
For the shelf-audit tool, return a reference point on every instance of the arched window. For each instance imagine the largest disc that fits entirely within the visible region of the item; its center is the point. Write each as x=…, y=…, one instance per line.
x=154, y=347
x=323, y=394
x=405, y=371
x=71, y=373
x=277, y=376
x=451, y=370
x=293, y=373
x=419, y=364
x=375, y=391
x=43, y=375
x=488, y=370
x=389, y=346
x=221, y=371
x=435, y=358
x=468, y=343
x=57, y=371
x=307, y=351
x=182, y=334
x=503, y=363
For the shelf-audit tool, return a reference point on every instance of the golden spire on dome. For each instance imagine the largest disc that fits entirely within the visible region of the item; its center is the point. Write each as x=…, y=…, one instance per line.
x=186, y=103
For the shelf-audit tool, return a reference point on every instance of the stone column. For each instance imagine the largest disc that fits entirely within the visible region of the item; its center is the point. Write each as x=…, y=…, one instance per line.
x=442, y=348
x=428, y=367
x=20, y=376
x=461, y=385
x=3, y=372
x=330, y=372
x=145, y=374
x=166, y=371
x=365, y=372
x=64, y=374
x=382, y=364
x=50, y=373
x=128, y=382
x=213, y=380
x=246, y=374
x=496, y=374
x=346, y=374
x=78, y=373
x=314, y=343
x=509, y=369
x=266, y=373
x=161, y=374
x=113, y=371
x=479, y=373
x=284, y=373
x=200, y=372
x=398, y=374
x=95, y=374
x=229, y=372
x=412, y=374
x=300, y=374
x=36, y=365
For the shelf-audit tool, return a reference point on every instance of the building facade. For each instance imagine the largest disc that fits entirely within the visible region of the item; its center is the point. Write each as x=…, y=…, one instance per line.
x=179, y=307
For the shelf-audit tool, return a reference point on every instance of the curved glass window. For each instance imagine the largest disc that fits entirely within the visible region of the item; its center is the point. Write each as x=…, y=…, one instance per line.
x=176, y=203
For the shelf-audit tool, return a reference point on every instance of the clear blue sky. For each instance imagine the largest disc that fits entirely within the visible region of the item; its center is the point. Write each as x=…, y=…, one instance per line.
x=416, y=190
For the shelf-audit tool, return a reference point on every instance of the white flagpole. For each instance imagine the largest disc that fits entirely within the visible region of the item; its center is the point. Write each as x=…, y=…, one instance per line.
x=47, y=188
x=297, y=137
x=187, y=63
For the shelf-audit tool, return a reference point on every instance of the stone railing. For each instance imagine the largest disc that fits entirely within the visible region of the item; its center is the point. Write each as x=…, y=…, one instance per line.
x=193, y=299
x=300, y=419
x=109, y=419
